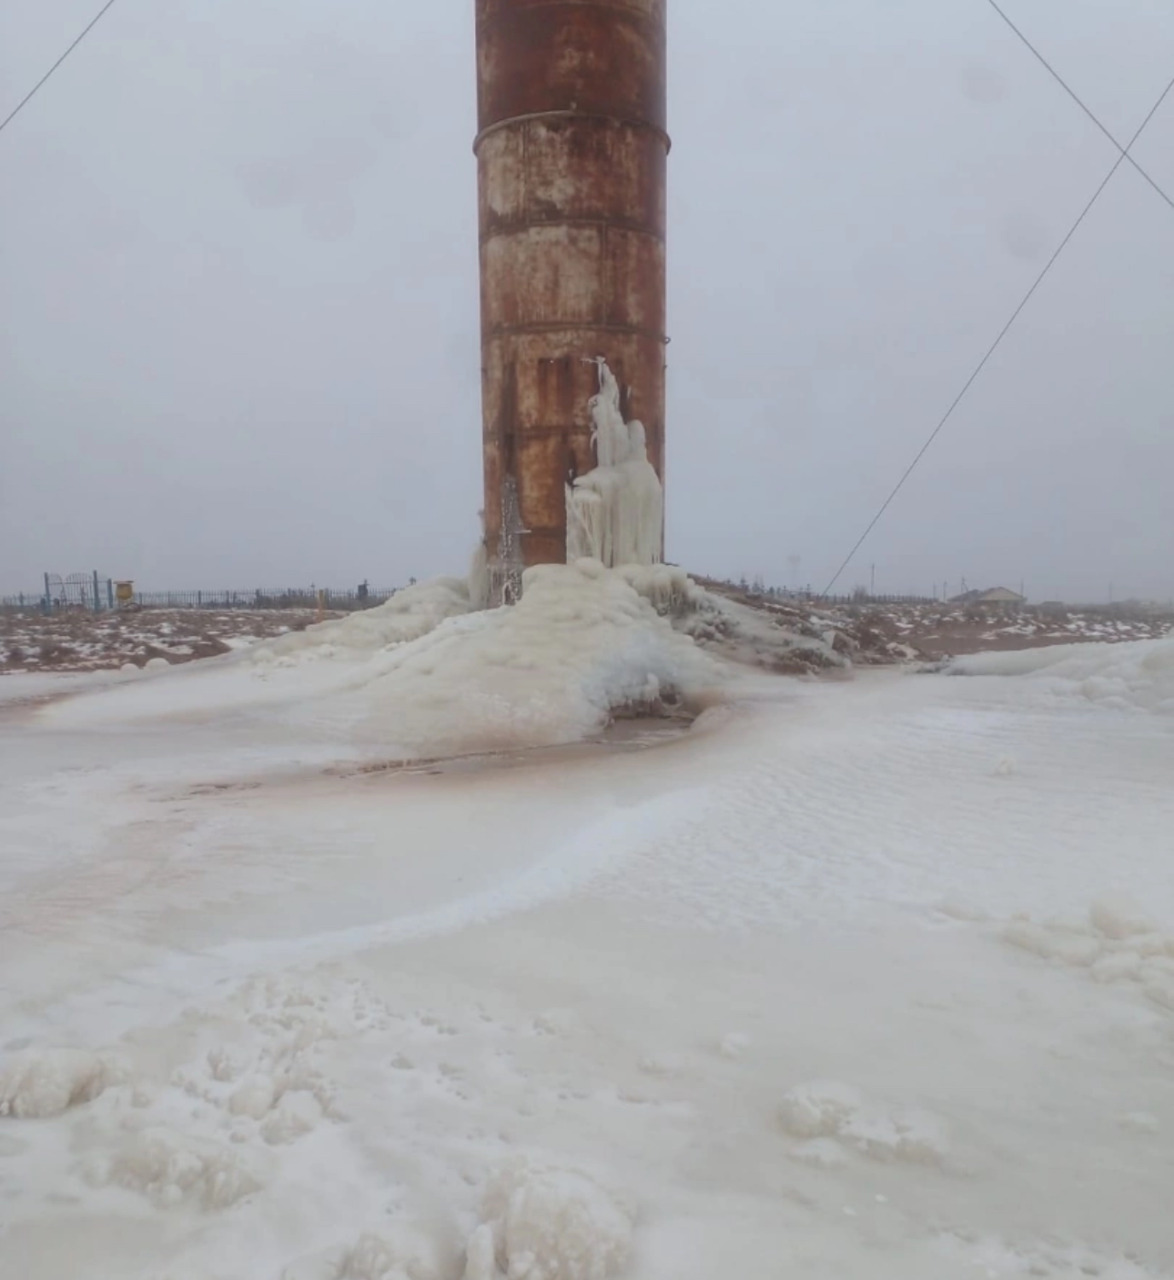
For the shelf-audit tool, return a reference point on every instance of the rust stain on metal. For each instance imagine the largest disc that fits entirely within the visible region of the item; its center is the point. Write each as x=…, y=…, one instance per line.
x=571, y=153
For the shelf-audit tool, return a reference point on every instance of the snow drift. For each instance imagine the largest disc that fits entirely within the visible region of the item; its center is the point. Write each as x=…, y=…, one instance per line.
x=1134, y=675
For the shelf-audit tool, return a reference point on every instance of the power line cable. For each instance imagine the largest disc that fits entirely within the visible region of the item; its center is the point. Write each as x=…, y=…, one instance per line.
x=1079, y=102
x=1124, y=154
x=33, y=91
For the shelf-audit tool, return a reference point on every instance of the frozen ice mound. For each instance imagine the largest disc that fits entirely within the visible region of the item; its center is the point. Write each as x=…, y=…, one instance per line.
x=819, y=1109
x=1118, y=943
x=430, y=673
x=1138, y=674
x=1118, y=916
x=580, y=647
x=821, y=1112
x=295, y=1114
x=399, y=1251
x=540, y=1223
x=37, y=1084
x=171, y=1169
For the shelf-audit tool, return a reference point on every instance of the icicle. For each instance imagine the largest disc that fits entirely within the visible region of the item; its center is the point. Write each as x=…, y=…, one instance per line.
x=615, y=512
x=586, y=515
x=640, y=508
x=480, y=585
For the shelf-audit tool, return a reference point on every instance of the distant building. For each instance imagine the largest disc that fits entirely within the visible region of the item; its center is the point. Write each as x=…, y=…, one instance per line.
x=1001, y=597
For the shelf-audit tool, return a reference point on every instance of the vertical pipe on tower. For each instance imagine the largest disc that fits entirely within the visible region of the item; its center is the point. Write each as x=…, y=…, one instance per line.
x=571, y=158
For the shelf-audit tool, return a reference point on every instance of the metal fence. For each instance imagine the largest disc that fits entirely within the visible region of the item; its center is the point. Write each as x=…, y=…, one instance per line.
x=332, y=598
x=805, y=595
x=861, y=601
x=22, y=603
x=346, y=600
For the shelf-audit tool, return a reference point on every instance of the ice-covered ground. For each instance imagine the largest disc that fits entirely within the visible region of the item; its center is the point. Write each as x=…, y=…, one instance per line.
x=845, y=982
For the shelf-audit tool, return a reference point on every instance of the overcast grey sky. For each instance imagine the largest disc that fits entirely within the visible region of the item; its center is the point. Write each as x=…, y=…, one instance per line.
x=238, y=293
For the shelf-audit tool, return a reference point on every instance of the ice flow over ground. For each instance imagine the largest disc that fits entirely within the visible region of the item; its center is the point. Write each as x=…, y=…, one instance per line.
x=850, y=980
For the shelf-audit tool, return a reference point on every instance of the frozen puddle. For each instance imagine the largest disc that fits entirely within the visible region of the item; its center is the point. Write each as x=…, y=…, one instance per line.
x=620, y=737
x=848, y=985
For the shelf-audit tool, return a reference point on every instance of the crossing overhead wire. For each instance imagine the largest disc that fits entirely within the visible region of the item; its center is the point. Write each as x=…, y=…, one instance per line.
x=1121, y=158
x=1059, y=79
x=8, y=119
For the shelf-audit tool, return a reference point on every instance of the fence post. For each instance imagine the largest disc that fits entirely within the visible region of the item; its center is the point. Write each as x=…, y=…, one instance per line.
x=199, y=599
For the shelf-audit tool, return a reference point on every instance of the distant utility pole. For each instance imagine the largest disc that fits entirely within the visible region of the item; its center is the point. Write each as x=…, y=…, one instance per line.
x=872, y=580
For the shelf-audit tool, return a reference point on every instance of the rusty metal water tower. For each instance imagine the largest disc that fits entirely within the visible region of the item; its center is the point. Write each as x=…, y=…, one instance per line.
x=571, y=155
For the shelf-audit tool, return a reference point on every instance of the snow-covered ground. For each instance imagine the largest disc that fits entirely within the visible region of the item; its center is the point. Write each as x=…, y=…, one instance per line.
x=841, y=983
x=940, y=630
x=78, y=640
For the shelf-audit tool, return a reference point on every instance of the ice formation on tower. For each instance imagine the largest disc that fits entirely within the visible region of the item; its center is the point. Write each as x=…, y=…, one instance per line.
x=615, y=513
